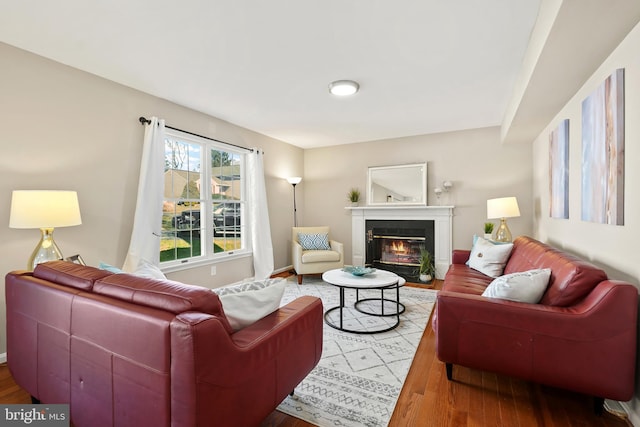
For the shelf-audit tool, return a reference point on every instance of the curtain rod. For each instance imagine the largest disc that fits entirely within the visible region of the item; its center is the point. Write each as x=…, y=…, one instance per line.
x=145, y=121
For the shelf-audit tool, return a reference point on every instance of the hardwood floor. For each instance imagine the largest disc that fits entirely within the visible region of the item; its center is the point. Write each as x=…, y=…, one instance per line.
x=477, y=398
x=473, y=398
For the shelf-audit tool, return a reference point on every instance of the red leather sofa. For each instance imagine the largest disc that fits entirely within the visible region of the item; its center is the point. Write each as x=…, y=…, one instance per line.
x=129, y=351
x=580, y=337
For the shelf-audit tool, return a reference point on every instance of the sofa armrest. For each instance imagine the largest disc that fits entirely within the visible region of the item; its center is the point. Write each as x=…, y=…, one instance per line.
x=460, y=256
x=258, y=344
x=261, y=363
x=296, y=254
x=337, y=246
x=546, y=344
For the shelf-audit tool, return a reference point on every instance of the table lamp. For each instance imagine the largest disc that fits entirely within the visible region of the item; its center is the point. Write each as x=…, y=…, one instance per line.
x=504, y=207
x=45, y=210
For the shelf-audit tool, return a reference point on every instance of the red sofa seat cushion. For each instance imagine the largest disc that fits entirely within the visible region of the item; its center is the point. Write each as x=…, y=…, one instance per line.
x=571, y=278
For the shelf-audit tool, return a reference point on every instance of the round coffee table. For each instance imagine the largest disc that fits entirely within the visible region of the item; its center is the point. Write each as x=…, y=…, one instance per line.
x=380, y=279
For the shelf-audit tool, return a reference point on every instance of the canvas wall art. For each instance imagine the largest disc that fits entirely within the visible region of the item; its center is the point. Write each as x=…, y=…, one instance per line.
x=603, y=152
x=559, y=171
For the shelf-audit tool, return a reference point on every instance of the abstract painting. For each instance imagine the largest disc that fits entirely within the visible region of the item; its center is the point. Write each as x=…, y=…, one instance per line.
x=603, y=152
x=559, y=171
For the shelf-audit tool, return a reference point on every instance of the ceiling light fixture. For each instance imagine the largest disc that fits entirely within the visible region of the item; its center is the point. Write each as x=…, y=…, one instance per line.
x=343, y=87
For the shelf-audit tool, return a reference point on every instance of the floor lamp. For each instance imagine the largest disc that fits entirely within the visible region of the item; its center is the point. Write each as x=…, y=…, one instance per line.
x=294, y=180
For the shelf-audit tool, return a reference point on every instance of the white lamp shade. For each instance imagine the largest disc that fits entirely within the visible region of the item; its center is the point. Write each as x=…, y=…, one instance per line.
x=44, y=209
x=293, y=180
x=504, y=207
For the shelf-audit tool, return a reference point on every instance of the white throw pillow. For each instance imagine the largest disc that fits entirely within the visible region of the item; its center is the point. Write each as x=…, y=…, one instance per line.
x=149, y=270
x=525, y=286
x=244, y=308
x=489, y=258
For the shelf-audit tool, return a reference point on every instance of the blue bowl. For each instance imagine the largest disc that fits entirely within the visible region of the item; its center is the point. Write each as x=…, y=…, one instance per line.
x=359, y=271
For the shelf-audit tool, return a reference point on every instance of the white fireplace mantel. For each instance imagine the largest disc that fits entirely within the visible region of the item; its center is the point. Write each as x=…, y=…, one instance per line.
x=441, y=215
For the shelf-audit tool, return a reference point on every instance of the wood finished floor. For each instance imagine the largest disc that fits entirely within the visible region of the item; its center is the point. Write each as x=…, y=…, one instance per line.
x=474, y=398
x=477, y=399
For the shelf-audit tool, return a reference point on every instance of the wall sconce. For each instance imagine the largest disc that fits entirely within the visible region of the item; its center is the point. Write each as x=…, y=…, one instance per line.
x=438, y=192
x=446, y=186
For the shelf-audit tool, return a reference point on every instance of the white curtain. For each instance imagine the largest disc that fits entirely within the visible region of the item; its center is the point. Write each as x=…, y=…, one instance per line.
x=147, y=222
x=259, y=229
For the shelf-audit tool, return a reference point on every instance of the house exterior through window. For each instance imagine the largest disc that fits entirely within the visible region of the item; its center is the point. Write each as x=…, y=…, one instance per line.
x=203, y=213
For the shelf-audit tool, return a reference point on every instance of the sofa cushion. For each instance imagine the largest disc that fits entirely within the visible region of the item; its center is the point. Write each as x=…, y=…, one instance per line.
x=525, y=286
x=314, y=241
x=571, y=278
x=466, y=280
x=320, y=256
x=243, y=308
x=69, y=274
x=489, y=258
x=167, y=295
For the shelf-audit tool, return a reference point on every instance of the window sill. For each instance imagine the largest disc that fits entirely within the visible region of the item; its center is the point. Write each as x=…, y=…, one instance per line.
x=173, y=266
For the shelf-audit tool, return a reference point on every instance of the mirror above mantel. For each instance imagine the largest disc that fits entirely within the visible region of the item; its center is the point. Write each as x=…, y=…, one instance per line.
x=397, y=185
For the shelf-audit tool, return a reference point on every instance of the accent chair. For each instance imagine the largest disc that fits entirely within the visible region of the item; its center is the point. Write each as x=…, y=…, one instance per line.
x=314, y=252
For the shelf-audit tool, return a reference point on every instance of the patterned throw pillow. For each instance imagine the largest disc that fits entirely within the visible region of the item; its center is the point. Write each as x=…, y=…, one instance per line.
x=249, y=302
x=314, y=241
x=250, y=285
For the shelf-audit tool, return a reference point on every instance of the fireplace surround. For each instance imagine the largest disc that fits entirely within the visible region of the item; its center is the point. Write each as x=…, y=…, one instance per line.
x=395, y=245
x=439, y=216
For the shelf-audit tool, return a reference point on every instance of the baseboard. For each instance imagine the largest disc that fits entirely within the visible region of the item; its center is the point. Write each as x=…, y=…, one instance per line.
x=3, y=357
x=630, y=415
x=282, y=270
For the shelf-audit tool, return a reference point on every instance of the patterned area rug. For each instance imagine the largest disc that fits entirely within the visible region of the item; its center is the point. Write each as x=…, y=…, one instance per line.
x=359, y=378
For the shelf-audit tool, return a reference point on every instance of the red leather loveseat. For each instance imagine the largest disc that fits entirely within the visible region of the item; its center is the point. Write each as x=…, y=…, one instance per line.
x=129, y=351
x=581, y=336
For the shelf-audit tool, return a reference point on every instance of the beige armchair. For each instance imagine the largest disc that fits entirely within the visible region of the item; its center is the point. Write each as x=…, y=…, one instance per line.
x=313, y=253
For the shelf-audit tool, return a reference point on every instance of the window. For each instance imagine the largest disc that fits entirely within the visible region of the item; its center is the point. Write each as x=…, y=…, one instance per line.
x=204, y=206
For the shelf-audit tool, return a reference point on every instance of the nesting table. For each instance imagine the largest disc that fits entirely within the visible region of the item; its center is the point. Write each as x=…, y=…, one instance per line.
x=381, y=280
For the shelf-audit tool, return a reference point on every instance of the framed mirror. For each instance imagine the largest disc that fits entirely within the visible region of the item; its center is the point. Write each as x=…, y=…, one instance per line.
x=397, y=185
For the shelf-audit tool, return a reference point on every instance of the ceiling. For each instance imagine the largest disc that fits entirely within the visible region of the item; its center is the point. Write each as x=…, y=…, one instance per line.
x=424, y=66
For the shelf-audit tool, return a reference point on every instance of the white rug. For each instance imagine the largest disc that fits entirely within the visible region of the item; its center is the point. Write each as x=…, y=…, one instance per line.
x=359, y=378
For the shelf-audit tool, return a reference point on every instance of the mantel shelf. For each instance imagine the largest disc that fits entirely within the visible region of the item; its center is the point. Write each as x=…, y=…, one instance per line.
x=398, y=207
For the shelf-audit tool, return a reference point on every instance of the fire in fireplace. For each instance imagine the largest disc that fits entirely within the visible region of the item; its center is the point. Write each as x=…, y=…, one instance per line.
x=395, y=245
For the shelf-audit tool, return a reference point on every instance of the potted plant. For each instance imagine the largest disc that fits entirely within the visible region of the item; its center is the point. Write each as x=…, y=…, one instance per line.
x=488, y=229
x=354, y=196
x=427, y=268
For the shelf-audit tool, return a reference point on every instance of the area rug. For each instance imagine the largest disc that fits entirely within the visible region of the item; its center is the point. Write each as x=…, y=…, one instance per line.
x=359, y=377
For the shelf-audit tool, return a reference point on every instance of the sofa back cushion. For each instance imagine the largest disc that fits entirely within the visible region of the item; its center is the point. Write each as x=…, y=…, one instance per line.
x=571, y=278
x=167, y=295
x=69, y=274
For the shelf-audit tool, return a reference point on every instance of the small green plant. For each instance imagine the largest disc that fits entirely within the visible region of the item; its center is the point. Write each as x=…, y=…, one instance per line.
x=426, y=263
x=354, y=195
x=488, y=227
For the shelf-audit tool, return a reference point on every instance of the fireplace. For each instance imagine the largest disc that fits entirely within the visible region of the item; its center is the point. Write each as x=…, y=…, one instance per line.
x=395, y=245
x=441, y=216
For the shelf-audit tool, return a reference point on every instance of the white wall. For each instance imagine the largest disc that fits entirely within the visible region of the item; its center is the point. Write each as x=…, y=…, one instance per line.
x=615, y=248
x=61, y=128
x=479, y=166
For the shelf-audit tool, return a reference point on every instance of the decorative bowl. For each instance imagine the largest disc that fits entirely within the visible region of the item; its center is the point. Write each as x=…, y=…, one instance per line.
x=358, y=271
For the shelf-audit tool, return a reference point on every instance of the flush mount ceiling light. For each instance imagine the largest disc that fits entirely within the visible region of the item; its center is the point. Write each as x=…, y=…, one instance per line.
x=343, y=87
